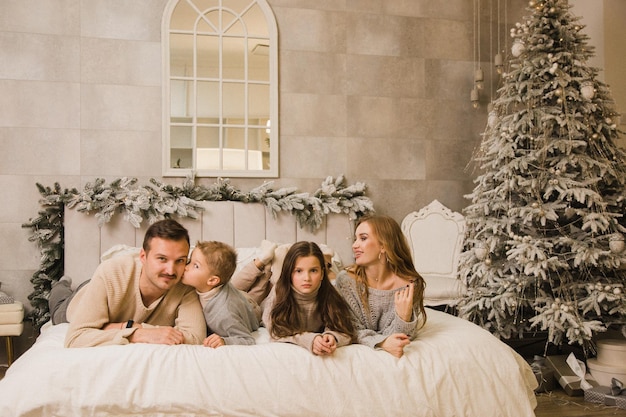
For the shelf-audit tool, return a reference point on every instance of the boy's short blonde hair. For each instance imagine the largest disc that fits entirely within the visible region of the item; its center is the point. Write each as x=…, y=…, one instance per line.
x=221, y=258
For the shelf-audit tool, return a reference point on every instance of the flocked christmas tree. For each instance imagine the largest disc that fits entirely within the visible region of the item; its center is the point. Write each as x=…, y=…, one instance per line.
x=544, y=248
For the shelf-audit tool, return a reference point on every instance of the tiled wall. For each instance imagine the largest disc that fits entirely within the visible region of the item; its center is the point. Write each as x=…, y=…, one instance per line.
x=377, y=90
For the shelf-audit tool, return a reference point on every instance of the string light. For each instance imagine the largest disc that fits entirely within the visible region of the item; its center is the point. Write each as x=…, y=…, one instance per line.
x=479, y=76
x=478, y=72
x=498, y=62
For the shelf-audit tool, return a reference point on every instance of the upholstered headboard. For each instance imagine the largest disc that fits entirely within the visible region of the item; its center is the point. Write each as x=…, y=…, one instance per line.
x=239, y=224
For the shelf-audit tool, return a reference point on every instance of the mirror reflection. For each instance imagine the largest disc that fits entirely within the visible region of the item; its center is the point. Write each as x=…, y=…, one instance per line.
x=222, y=89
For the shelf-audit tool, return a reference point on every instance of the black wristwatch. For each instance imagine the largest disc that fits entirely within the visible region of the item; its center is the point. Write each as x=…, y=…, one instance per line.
x=129, y=324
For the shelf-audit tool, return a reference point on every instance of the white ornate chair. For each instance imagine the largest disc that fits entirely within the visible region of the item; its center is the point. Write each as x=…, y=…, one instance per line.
x=435, y=235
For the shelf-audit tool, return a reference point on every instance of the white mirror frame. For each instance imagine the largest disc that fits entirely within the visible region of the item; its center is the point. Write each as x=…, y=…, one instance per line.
x=273, y=170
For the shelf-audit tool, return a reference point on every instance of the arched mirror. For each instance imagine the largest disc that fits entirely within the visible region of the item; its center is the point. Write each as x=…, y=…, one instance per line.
x=220, y=89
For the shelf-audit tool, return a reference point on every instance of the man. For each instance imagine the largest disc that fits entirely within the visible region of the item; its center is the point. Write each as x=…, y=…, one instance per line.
x=139, y=300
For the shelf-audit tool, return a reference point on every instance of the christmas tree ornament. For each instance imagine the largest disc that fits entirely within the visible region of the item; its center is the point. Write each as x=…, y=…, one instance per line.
x=480, y=251
x=616, y=243
x=479, y=78
x=474, y=97
x=498, y=62
x=518, y=48
x=587, y=90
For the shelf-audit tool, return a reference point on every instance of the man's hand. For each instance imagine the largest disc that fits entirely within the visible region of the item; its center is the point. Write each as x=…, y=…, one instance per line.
x=164, y=335
x=213, y=341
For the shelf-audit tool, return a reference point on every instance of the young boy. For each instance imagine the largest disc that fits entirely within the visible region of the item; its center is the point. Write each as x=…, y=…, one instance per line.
x=229, y=315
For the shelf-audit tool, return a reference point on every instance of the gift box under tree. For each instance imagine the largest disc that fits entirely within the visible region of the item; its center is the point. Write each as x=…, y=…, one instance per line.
x=543, y=373
x=571, y=374
x=615, y=395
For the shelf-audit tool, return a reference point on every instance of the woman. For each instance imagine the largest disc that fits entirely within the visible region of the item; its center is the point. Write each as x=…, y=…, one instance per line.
x=382, y=288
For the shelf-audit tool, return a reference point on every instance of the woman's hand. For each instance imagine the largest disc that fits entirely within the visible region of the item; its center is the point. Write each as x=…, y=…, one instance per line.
x=395, y=344
x=324, y=344
x=404, y=302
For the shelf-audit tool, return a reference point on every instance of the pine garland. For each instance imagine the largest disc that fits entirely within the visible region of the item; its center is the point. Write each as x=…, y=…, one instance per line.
x=156, y=201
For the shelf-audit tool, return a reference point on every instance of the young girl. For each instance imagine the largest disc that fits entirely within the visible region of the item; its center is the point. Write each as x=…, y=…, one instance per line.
x=304, y=308
x=382, y=288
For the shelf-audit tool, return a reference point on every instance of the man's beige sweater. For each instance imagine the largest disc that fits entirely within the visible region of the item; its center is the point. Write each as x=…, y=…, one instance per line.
x=113, y=296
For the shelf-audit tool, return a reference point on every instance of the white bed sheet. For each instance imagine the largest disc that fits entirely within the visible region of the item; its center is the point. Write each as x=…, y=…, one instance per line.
x=454, y=368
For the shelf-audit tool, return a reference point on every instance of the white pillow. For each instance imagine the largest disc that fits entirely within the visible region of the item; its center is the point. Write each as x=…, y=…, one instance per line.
x=245, y=256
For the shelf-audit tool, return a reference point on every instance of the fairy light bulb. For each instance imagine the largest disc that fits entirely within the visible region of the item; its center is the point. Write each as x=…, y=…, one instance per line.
x=479, y=78
x=474, y=97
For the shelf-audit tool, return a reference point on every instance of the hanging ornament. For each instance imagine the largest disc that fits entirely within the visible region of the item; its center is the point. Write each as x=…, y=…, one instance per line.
x=479, y=78
x=616, y=243
x=498, y=62
x=474, y=97
x=480, y=251
x=587, y=90
x=518, y=48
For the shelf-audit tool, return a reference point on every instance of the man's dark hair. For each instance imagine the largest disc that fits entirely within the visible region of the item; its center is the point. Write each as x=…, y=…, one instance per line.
x=168, y=229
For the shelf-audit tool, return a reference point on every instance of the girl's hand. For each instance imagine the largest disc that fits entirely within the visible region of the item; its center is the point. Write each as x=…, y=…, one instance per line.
x=404, y=302
x=324, y=344
x=213, y=341
x=395, y=344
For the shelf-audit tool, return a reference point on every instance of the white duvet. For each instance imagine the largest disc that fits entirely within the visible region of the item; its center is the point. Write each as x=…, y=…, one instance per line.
x=454, y=368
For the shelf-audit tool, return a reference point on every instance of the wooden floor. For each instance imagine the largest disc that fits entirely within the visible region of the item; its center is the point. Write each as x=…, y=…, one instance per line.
x=559, y=404
x=552, y=404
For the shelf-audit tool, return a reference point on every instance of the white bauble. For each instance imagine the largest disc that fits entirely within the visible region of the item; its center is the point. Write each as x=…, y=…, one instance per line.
x=616, y=243
x=518, y=48
x=480, y=251
x=587, y=90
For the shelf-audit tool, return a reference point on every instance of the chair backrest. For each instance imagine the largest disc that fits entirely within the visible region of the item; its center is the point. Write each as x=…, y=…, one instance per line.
x=435, y=235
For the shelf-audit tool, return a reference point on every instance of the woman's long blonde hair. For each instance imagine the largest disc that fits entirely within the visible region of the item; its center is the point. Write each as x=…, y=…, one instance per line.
x=399, y=260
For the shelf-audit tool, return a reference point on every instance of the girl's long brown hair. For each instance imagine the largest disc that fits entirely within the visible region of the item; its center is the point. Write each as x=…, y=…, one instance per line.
x=399, y=260
x=331, y=306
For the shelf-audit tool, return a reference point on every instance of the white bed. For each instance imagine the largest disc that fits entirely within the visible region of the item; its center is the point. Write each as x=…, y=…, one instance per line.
x=454, y=368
